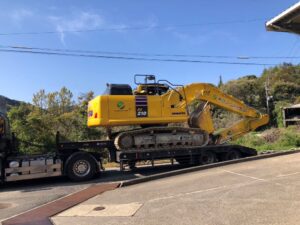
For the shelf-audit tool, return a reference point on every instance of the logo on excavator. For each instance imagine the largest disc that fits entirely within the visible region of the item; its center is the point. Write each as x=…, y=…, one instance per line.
x=121, y=105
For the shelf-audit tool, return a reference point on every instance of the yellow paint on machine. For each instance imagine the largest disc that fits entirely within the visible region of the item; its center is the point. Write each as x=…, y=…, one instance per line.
x=104, y=111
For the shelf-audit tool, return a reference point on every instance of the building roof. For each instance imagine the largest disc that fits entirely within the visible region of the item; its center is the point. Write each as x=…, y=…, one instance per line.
x=287, y=21
x=293, y=106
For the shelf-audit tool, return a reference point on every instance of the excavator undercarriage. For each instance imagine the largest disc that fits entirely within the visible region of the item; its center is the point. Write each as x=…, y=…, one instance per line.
x=161, y=138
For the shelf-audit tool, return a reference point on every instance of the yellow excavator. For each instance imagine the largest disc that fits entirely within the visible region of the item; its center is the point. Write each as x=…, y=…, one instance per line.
x=155, y=105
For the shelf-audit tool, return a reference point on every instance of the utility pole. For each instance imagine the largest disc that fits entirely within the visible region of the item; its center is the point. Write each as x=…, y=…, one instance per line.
x=268, y=97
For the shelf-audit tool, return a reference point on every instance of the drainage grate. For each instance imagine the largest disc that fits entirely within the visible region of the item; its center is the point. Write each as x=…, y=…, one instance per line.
x=99, y=208
x=5, y=205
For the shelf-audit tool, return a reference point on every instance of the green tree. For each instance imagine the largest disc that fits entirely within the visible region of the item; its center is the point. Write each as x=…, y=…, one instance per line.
x=59, y=112
x=40, y=99
x=65, y=100
x=53, y=106
x=285, y=91
x=220, y=84
x=246, y=89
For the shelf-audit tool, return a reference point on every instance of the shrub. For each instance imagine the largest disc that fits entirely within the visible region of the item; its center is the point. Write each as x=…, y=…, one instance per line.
x=272, y=139
x=290, y=137
x=271, y=135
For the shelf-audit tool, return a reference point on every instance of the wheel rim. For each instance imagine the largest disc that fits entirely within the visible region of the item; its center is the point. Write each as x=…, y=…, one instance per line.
x=81, y=168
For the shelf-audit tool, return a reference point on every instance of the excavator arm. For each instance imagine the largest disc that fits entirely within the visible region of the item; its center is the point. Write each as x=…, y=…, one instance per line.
x=201, y=116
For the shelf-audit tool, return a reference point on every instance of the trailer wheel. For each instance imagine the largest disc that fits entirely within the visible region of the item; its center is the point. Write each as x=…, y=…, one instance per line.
x=231, y=155
x=81, y=167
x=207, y=157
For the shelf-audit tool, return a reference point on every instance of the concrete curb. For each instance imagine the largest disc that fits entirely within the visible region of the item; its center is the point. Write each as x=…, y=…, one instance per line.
x=199, y=168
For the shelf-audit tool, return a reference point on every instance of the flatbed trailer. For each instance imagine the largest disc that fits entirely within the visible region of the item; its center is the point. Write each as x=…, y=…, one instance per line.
x=82, y=160
x=192, y=155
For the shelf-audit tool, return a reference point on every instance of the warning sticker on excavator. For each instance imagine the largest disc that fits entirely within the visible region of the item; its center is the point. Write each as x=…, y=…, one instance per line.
x=141, y=106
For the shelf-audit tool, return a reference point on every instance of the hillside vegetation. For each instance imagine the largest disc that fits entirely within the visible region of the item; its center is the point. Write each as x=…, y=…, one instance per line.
x=6, y=103
x=273, y=139
x=38, y=122
x=283, y=84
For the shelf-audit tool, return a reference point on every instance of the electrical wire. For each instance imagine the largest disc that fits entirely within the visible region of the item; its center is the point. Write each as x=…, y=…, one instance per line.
x=135, y=28
x=149, y=54
x=134, y=58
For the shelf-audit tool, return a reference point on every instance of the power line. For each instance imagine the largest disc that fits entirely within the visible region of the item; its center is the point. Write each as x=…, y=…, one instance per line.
x=149, y=54
x=135, y=27
x=134, y=58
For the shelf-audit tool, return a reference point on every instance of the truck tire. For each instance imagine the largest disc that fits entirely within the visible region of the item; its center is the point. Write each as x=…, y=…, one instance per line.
x=231, y=155
x=81, y=167
x=207, y=157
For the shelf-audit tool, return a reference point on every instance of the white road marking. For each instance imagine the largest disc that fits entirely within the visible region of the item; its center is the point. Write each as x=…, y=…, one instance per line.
x=187, y=193
x=243, y=175
x=254, y=178
x=289, y=174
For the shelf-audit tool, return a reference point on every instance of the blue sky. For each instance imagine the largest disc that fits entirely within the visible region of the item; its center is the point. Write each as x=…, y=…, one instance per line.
x=24, y=74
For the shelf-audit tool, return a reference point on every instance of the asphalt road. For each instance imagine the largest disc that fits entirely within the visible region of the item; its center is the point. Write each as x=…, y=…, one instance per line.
x=256, y=192
x=21, y=196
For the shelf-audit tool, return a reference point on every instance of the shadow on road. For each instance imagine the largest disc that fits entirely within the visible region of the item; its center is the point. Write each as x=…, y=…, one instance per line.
x=109, y=175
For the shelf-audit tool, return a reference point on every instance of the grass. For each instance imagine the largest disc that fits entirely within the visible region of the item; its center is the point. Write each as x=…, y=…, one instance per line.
x=277, y=139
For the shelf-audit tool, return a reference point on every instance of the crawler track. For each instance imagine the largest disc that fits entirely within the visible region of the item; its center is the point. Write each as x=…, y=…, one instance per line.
x=161, y=138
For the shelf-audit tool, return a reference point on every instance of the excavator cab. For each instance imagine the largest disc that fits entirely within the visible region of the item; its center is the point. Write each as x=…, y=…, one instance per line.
x=149, y=86
x=151, y=89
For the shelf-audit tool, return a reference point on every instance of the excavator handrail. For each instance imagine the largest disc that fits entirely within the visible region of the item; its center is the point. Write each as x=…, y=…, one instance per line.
x=171, y=85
